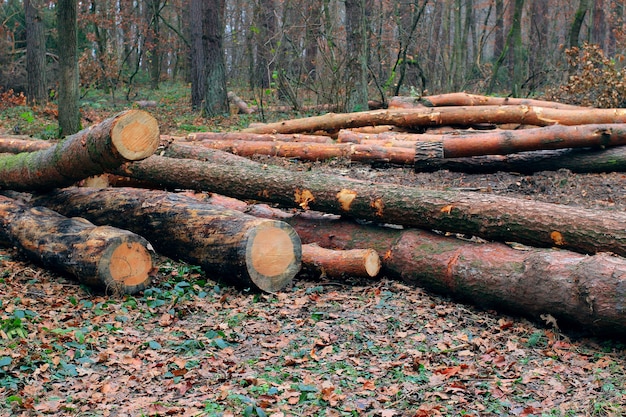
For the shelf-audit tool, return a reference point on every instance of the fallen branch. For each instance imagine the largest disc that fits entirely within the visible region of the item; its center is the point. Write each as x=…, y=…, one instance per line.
x=239, y=103
x=488, y=216
x=20, y=144
x=129, y=136
x=363, y=263
x=241, y=249
x=103, y=256
x=439, y=116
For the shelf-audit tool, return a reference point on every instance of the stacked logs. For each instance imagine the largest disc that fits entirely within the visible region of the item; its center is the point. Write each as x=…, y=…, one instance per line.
x=573, y=268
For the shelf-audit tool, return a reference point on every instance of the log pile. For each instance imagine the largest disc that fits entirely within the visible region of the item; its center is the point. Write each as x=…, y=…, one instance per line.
x=573, y=266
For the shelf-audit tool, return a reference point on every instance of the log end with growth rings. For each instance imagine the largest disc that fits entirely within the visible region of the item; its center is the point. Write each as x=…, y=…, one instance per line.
x=136, y=135
x=127, y=269
x=273, y=255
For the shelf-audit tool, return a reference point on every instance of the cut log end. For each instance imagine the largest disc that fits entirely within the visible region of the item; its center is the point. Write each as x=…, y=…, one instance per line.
x=273, y=255
x=136, y=135
x=128, y=267
x=371, y=262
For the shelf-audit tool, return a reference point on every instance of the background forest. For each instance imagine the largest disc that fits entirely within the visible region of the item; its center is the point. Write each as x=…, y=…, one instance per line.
x=324, y=51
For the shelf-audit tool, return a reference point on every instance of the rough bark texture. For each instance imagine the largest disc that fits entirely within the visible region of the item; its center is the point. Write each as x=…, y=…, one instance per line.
x=440, y=116
x=129, y=136
x=551, y=137
x=200, y=136
x=339, y=263
x=19, y=144
x=69, y=115
x=582, y=292
x=241, y=249
x=105, y=257
x=466, y=99
x=585, y=293
x=37, y=92
x=491, y=217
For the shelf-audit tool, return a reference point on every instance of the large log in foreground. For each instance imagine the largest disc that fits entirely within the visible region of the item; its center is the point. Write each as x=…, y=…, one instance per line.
x=129, y=136
x=240, y=249
x=113, y=259
x=439, y=116
x=489, y=216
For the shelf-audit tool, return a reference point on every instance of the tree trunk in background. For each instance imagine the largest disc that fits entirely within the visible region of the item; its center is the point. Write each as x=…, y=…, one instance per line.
x=574, y=32
x=197, y=52
x=215, y=94
x=538, y=36
x=598, y=29
x=498, y=46
x=153, y=10
x=69, y=115
x=517, y=51
x=265, y=31
x=313, y=33
x=357, y=56
x=36, y=91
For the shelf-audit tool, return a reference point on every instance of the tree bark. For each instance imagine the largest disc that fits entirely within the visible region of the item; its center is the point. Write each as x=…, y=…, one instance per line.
x=315, y=151
x=507, y=142
x=37, y=92
x=357, y=56
x=113, y=259
x=241, y=249
x=19, y=144
x=215, y=92
x=461, y=116
x=129, y=136
x=491, y=217
x=584, y=293
x=581, y=292
x=231, y=136
x=364, y=263
x=466, y=99
x=69, y=115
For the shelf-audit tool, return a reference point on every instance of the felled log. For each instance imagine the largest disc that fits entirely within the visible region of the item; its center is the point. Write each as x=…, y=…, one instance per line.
x=231, y=136
x=129, y=136
x=315, y=151
x=488, y=216
x=241, y=105
x=101, y=256
x=582, y=292
x=19, y=144
x=339, y=263
x=439, y=116
x=466, y=99
x=142, y=104
x=507, y=142
x=240, y=249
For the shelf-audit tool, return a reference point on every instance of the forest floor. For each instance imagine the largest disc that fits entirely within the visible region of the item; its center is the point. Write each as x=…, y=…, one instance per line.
x=190, y=346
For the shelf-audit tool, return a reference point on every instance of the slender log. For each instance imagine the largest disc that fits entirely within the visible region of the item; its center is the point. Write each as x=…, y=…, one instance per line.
x=315, y=151
x=439, y=116
x=241, y=249
x=19, y=144
x=488, y=216
x=545, y=138
x=232, y=136
x=129, y=136
x=585, y=160
x=466, y=99
x=364, y=263
x=105, y=257
x=582, y=292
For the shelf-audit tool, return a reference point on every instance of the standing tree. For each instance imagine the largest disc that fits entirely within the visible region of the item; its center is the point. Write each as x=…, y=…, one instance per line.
x=356, y=56
x=36, y=91
x=216, y=96
x=579, y=17
x=69, y=115
x=197, y=52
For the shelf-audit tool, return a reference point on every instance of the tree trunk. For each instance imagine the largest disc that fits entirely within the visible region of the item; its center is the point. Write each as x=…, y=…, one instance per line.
x=240, y=249
x=442, y=116
x=582, y=292
x=69, y=115
x=129, y=136
x=357, y=56
x=37, y=92
x=315, y=151
x=215, y=93
x=579, y=17
x=466, y=99
x=364, y=263
x=507, y=142
x=487, y=216
x=253, y=137
x=197, y=52
x=115, y=260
